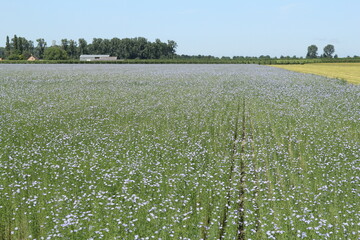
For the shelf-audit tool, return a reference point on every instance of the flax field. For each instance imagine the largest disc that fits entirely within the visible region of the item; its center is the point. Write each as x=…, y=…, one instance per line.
x=177, y=152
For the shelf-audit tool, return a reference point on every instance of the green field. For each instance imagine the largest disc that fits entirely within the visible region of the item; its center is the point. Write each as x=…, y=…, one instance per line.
x=177, y=152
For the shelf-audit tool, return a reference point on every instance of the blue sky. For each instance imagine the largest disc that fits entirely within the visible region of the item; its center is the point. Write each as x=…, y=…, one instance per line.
x=206, y=27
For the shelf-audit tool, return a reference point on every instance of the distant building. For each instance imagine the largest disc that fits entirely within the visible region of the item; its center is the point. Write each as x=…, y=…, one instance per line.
x=97, y=58
x=32, y=58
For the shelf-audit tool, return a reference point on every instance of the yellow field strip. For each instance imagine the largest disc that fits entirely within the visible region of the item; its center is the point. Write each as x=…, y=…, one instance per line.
x=346, y=71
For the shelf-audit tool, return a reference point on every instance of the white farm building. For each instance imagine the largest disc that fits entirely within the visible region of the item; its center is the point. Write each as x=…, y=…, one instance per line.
x=97, y=58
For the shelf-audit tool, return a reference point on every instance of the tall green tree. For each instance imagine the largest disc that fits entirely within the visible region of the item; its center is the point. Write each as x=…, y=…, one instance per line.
x=2, y=52
x=65, y=44
x=105, y=46
x=40, y=48
x=26, y=48
x=140, y=46
x=7, y=47
x=15, y=53
x=127, y=48
x=160, y=49
x=329, y=50
x=95, y=47
x=55, y=53
x=70, y=47
x=172, y=45
x=115, y=47
x=31, y=47
x=72, y=50
x=15, y=43
x=312, y=51
x=83, y=46
x=20, y=45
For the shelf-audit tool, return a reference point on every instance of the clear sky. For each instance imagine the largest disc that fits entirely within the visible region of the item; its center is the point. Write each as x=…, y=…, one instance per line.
x=206, y=27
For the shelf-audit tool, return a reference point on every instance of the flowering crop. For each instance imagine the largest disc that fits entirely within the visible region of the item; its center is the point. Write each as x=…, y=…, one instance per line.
x=177, y=152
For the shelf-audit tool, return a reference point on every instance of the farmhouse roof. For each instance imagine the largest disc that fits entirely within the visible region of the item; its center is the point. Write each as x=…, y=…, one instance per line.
x=32, y=58
x=92, y=56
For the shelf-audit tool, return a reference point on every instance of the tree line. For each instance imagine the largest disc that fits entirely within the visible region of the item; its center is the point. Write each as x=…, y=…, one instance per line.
x=19, y=48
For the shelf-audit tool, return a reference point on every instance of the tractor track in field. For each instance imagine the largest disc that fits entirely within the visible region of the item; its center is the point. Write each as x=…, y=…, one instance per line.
x=236, y=154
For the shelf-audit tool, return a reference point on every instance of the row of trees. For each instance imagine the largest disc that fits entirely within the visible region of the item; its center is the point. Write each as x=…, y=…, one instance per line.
x=328, y=51
x=127, y=48
x=19, y=48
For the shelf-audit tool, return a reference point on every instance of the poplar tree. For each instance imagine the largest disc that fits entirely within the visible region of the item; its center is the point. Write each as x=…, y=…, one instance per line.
x=15, y=43
x=7, y=47
x=40, y=48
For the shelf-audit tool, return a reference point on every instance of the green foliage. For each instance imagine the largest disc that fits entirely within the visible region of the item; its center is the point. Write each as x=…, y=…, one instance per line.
x=7, y=46
x=312, y=51
x=127, y=48
x=131, y=48
x=329, y=50
x=15, y=43
x=40, y=48
x=64, y=44
x=2, y=52
x=70, y=47
x=73, y=51
x=26, y=54
x=83, y=46
x=16, y=55
x=55, y=53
